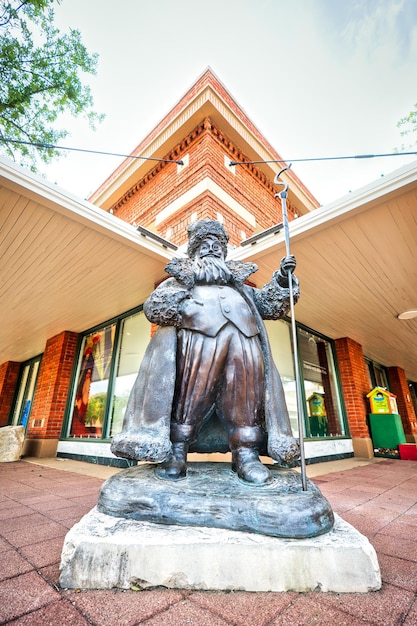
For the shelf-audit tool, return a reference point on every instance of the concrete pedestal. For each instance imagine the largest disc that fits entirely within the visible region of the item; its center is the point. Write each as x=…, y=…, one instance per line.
x=104, y=552
x=11, y=443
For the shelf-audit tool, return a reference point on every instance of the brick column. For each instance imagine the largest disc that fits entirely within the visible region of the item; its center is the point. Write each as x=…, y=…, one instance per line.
x=399, y=387
x=9, y=374
x=50, y=399
x=355, y=385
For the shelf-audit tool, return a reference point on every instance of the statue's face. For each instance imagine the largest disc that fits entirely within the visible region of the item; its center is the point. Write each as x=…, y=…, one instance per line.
x=211, y=246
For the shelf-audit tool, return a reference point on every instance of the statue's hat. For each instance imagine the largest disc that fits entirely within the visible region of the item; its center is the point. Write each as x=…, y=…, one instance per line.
x=198, y=231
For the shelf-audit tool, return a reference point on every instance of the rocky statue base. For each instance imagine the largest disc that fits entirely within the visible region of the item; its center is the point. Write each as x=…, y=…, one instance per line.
x=212, y=531
x=212, y=495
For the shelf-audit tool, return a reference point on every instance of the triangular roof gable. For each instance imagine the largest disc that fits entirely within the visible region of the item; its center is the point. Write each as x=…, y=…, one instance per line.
x=206, y=97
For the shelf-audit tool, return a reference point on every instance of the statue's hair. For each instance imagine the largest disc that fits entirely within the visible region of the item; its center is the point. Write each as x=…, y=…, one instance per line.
x=198, y=231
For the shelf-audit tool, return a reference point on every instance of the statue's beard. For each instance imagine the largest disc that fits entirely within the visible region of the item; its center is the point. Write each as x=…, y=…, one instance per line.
x=211, y=270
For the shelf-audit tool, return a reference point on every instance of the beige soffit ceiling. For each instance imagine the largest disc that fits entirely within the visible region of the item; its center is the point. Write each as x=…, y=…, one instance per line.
x=357, y=267
x=67, y=265
x=64, y=264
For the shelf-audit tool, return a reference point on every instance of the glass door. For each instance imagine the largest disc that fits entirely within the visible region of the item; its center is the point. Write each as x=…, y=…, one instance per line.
x=25, y=392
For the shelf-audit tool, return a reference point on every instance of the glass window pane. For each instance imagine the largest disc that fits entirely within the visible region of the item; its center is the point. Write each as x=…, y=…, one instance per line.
x=381, y=377
x=18, y=407
x=413, y=394
x=279, y=333
x=92, y=383
x=320, y=388
x=377, y=375
x=371, y=375
x=27, y=386
x=135, y=335
x=31, y=386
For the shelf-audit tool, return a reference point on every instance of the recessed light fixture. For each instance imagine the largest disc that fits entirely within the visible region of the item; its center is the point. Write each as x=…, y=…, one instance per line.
x=407, y=315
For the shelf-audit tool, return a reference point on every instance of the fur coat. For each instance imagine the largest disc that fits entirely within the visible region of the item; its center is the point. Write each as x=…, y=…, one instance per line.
x=146, y=426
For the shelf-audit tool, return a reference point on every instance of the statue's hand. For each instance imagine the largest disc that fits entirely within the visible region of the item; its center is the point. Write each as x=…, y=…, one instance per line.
x=288, y=264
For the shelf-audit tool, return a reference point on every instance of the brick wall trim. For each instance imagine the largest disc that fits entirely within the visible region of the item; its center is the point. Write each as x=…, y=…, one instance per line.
x=355, y=384
x=52, y=388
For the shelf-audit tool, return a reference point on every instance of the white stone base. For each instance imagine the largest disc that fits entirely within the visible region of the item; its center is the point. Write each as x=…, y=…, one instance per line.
x=11, y=443
x=103, y=552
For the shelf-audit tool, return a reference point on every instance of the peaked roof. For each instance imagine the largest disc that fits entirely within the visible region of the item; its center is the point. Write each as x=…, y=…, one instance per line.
x=207, y=97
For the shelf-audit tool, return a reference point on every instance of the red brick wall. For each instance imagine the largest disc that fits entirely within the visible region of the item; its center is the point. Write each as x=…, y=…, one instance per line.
x=9, y=374
x=206, y=147
x=52, y=387
x=399, y=387
x=355, y=384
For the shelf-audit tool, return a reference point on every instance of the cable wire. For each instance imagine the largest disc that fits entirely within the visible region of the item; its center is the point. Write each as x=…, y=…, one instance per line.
x=333, y=158
x=38, y=144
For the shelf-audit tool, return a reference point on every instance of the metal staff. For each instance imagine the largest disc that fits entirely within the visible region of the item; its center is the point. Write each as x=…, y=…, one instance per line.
x=283, y=195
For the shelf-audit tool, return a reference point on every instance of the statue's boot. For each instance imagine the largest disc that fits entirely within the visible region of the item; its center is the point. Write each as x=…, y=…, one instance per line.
x=246, y=463
x=175, y=466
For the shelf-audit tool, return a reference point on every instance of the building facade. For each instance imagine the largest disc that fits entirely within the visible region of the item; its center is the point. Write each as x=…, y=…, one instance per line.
x=75, y=336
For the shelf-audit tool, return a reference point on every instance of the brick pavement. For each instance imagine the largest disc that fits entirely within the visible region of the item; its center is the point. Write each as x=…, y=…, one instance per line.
x=38, y=505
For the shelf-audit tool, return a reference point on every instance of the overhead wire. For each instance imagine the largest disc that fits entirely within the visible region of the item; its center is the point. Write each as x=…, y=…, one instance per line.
x=329, y=158
x=38, y=144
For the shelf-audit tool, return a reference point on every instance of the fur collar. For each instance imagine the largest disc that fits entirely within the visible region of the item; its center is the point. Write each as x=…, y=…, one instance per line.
x=182, y=270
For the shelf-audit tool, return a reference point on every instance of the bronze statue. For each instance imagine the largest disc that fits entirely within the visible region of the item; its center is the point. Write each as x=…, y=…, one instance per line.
x=210, y=363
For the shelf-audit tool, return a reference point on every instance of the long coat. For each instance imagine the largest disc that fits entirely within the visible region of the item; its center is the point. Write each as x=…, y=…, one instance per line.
x=146, y=427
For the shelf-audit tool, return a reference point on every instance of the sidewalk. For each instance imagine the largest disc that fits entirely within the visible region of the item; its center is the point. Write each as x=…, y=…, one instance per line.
x=41, y=499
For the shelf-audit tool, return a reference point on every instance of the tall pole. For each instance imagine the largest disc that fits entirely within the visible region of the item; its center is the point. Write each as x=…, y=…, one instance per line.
x=283, y=196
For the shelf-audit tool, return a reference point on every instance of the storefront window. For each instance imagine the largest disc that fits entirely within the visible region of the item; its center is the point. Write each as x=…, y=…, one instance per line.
x=26, y=392
x=89, y=406
x=279, y=334
x=109, y=362
x=413, y=394
x=321, y=408
x=321, y=398
x=110, y=358
x=134, y=339
x=378, y=375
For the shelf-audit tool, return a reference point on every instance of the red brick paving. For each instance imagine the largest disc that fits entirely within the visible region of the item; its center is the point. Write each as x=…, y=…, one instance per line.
x=39, y=504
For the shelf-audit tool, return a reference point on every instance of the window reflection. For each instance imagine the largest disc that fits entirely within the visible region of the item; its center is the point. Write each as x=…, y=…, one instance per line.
x=134, y=339
x=320, y=390
x=107, y=371
x=92, y=383
x=322, y=411
x=26, y=392
x=279, y=333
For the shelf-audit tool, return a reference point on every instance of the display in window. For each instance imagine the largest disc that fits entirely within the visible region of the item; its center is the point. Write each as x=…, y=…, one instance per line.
x=317, y=415
x=91, y=390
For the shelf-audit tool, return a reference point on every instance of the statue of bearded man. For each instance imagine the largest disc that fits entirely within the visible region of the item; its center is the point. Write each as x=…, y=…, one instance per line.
x=210, y=363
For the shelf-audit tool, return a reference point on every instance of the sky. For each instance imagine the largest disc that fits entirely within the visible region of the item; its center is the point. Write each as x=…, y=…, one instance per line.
x=318, y=78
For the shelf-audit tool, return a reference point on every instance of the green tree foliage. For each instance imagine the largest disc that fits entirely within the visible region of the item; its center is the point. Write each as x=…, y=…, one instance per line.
x=40, y=78
x=408, y=125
